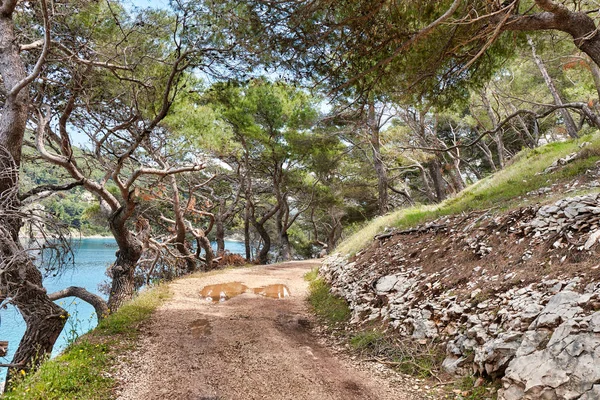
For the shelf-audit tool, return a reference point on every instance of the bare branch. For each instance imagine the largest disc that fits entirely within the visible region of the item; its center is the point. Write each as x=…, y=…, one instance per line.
x=50, y=188
x=93, y=299
x=41, y=60
x=160, y=172
x=594, y=118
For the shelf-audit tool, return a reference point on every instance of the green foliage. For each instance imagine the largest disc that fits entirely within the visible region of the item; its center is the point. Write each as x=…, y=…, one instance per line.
x=332, y=309
x=300, y=242
x=82, y=370
x=76, y=208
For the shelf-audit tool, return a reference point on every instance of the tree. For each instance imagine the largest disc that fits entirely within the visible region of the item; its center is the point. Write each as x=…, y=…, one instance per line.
x=267, y=119
x=432, y=49
x=20, y=280
x=117, y=137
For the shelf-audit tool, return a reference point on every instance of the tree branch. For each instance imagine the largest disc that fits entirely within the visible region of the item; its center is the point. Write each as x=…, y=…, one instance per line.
x=93, y=299
x=41, y=60
x=50, y=188
x=160, y=172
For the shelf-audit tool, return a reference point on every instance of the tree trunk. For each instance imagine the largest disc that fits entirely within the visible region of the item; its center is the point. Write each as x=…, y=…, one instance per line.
x=286, y=248
x=44, y=319
x=334, y=234
x=567, y=118
x=247, y=231
x=94, y=300
x=427, y=185
x=122, y=272
x=555, y=16
x=595, y=70
x=488, y=154
x=204, y=243
x=19, y=278
x=497, y=137
x=380, y=170
x=263, y=254
x=457, y=178
x=435, y=170
x=220, y=235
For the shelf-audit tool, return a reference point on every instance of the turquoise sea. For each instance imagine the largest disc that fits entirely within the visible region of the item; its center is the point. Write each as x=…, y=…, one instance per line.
x=92, y=256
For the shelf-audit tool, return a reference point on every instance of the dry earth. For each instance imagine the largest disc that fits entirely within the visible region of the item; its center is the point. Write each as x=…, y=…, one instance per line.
x=248, y=347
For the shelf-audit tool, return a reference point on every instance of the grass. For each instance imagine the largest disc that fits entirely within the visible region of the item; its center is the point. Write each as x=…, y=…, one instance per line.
x=402, y=354
x=502, y=190
x=332, y=309
x=467, y=390
x=82, y=371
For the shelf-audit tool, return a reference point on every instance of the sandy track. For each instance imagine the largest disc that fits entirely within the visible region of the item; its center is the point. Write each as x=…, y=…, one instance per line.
x=249, y=347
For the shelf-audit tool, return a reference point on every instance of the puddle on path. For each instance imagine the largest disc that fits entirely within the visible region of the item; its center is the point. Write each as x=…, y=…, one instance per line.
x=278, y=291
x=200, y=327
x=225, y=291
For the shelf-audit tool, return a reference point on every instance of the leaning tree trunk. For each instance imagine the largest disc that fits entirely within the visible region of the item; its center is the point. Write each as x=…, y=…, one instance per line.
x=44, y=319
x=122, y=272
x=220, y=235
x=263, y=254
x=204, y=243
x=567, y=118
x=20, y=280
x=435, y=169
x=286, y=247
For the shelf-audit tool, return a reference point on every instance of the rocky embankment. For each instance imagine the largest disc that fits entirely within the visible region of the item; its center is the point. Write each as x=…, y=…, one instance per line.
x=512, y=296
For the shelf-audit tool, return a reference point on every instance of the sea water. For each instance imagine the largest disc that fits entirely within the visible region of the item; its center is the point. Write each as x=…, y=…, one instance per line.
x=91, y=258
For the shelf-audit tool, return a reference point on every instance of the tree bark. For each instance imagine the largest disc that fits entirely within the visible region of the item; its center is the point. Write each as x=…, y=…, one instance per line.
x=219, y=234
x=556, y=16
x=180, y=228
x=497, y=137
x=20, y=280
x=567, y=118
x=286, y=248
x=94, y=300
x=122, y=271
x=247, y=231
x=380, y=169
x=595, y=70
x=263, y=254
x=435, y=170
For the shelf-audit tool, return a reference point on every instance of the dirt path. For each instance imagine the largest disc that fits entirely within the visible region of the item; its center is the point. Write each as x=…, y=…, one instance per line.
x=248, y=347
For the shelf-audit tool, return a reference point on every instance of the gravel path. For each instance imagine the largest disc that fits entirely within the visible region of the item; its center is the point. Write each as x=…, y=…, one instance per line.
x=247, y=347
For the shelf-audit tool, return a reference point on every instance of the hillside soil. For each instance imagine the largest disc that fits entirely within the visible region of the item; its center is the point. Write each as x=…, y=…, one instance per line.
x=486, y=251
x=248, y=346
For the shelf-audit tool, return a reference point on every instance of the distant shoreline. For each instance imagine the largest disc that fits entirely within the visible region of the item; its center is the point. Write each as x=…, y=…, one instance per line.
x=91, y=237
x=75, y=237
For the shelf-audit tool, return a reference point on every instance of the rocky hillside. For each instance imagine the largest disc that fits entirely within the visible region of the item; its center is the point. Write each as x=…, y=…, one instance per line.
x=512, y=292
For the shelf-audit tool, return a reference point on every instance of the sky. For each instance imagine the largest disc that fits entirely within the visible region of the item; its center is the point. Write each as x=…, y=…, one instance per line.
x=148, y=3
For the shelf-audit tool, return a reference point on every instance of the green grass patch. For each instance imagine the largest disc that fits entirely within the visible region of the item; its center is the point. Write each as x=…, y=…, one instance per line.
x=126, y=320
x=406, y=355
x=485, y=391
x=367, y=340
x=502, y=190
x=81, y=371
x=333, y=309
